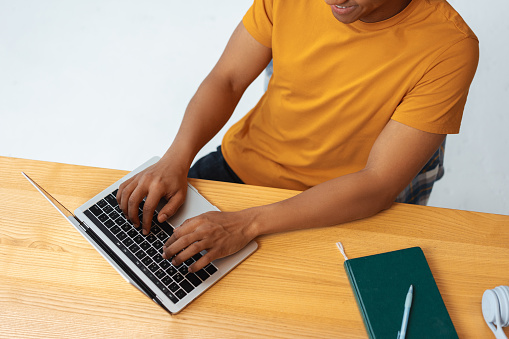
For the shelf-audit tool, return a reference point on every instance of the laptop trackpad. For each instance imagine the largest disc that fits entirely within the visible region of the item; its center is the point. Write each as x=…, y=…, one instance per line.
x=194, y=205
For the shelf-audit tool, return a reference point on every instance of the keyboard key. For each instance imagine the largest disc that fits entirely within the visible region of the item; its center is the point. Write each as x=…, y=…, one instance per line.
x=193, y=279
x=119, y=221
x=126, y=227
x=172, y=298
x=178, y=277
x=170, y=231
x=115, y=229
x=152, y=252
x=145, y=245
x=114, y=215
x=164, y=264
x=163, y=236
x=109, y=223
x=160, y=274
x=153, y=267
x=211, y=269
x=111, y=200
x=101, y=203
x=138, y=239
x=171, y=270
x=134, y=248
x=173, y=287
x=132, y=233
x=157, y=258
x=158, y=245
x=155, y=229
x=107, y=209
x=128, y=242
x=202, y=274
x=183, y=269
x=167, y=281
x=151, y=238
x=95, y=210
x=140, y=254
x=189, y=261
x=186, y=285
x=147, y=261
x=103, y=217
x=180, y=294
x=121, y=236
x=154, y=218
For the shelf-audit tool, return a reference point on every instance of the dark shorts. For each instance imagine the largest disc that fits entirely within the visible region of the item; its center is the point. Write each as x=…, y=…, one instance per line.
x=214, y=167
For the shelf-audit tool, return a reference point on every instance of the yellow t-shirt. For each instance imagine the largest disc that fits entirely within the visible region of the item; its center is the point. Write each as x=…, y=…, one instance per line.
x=335, y=87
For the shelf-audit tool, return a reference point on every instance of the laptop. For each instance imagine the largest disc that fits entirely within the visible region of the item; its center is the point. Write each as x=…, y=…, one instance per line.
x=137, y=257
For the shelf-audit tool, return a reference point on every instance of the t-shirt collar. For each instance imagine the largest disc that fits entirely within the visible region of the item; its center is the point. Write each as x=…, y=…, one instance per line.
x=373, y=26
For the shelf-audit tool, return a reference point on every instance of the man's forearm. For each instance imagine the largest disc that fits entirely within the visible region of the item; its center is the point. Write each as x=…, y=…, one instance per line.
x=351, y=197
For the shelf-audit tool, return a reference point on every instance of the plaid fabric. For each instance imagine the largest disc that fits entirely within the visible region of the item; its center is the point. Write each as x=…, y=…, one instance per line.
x=419, y=190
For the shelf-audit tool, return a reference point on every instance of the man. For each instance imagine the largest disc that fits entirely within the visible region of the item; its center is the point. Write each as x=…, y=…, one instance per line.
x=359, y=100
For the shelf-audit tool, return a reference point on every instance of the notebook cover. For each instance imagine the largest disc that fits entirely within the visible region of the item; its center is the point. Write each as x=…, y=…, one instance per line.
x=380, y=283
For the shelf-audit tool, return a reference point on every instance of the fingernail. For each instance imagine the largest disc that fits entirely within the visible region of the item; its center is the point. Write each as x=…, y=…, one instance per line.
x=163, y=217
x=190, y=270
x=164, y=255
x=145, y=232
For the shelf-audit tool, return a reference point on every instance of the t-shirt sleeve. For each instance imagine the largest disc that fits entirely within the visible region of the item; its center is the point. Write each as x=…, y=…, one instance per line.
x=258, y=21
x=436, y=102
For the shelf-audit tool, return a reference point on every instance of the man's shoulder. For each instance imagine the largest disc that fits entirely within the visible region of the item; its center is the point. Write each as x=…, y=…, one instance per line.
x=451, y=21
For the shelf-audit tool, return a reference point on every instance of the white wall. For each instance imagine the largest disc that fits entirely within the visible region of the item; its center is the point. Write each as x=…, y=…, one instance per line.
x=477, y=159
x=105, y=83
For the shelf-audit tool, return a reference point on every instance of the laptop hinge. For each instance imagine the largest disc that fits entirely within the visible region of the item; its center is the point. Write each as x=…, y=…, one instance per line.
x=81, y=223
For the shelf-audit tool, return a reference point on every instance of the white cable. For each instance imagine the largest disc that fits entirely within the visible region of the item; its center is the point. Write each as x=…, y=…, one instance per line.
x=341, y=249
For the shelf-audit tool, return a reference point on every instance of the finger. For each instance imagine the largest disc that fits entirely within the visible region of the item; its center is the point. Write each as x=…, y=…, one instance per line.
x=121, y=189
x=186, y=227
x=125, y=195
x=206, y=259
x=172, y=206
x=153, y=198
x=133, y=204
x=180, y=244
x=187, y=253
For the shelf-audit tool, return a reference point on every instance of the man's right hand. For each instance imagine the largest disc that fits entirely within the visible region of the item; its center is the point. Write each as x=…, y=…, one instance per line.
x=161, y=180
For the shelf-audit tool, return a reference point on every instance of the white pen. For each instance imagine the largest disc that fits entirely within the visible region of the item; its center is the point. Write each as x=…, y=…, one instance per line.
x=406, y=313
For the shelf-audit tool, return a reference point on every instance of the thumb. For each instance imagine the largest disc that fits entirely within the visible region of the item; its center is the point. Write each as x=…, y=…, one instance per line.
x=171, y=207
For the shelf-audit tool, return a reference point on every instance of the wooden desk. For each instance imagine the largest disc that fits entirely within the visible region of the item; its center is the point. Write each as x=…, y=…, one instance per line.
x=54, y=284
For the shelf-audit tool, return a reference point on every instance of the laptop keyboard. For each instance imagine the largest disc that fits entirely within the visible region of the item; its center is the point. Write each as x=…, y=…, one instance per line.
x=145, y=251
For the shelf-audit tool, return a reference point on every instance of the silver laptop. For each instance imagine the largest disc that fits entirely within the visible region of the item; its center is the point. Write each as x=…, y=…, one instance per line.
x=138, y=257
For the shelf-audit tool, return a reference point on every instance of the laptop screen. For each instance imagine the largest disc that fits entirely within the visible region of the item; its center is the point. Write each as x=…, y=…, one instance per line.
x=65, y=212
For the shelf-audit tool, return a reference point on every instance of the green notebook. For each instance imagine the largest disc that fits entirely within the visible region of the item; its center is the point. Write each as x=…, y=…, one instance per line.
x=380, y=283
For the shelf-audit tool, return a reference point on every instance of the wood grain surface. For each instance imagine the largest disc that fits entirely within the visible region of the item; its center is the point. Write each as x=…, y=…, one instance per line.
x=53, y=284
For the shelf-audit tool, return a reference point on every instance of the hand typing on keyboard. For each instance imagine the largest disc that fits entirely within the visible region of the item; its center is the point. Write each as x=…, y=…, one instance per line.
x=163, y=179
x=220, y=233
